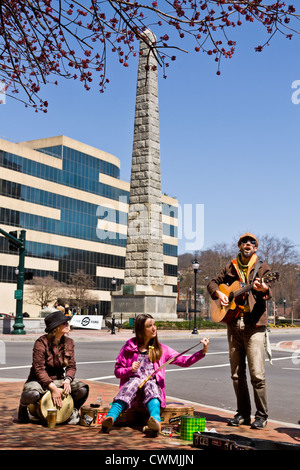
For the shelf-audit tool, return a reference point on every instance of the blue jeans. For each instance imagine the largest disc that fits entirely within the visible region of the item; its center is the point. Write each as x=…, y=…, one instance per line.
x=247, y=341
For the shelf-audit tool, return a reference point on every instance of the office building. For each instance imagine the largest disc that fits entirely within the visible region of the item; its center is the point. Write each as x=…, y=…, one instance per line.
x=70, y=200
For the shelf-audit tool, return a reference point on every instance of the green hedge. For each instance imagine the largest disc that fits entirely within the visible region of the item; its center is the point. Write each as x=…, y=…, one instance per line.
x=182, y=325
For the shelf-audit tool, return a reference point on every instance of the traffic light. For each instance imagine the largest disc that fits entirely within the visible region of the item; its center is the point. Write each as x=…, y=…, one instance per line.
x=28, y=276
x=11, y=245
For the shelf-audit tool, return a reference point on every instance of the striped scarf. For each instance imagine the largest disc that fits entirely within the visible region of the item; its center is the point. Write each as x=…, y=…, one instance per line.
x=244, y=269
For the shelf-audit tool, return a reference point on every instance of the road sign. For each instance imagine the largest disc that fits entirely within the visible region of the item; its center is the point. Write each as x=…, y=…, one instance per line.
x=18, y=294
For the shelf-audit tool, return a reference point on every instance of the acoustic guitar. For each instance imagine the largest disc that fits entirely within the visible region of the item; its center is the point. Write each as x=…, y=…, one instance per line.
x=236, y=297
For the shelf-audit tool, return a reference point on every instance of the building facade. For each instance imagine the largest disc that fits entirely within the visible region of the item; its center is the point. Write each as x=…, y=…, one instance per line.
x=69, y=199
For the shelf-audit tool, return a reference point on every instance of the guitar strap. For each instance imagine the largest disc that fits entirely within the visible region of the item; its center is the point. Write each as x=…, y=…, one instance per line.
x=245, y=307
x=258, y=264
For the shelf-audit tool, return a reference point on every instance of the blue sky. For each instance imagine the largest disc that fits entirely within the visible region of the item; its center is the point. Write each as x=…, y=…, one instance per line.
x=229, y=143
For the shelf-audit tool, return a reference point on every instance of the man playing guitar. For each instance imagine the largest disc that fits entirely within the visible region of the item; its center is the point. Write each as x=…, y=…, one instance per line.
x=246, y=327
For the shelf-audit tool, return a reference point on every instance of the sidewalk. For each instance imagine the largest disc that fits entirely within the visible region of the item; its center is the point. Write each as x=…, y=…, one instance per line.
x=120, y=335
x=36, y=436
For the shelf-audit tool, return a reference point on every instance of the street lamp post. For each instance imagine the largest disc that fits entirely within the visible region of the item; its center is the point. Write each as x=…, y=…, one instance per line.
x=19, y=245
x=190, y=305
x=113, y=331
x=195, y=268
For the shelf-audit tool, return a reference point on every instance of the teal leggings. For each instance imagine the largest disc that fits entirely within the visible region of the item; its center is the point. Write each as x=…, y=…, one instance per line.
x=119, y=405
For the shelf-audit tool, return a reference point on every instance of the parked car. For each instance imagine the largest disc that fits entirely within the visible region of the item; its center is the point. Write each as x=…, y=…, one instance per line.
x=6, y=315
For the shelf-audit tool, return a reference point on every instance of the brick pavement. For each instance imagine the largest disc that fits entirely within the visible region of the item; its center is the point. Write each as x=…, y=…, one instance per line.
x=36, y=436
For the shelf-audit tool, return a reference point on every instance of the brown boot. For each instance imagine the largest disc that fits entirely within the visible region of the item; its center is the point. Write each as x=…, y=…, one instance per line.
x=23, y=416
x=153, y=428
x=153, y=424
x=107, y=424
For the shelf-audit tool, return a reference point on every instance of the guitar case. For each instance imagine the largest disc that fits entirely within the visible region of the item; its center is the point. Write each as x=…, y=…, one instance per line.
x=215, y=441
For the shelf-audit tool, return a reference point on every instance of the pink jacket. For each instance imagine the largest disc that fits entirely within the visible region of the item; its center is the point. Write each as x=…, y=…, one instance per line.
x=129, y=354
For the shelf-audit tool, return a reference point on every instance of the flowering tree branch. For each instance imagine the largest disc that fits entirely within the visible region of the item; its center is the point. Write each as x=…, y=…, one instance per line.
x=43, y=40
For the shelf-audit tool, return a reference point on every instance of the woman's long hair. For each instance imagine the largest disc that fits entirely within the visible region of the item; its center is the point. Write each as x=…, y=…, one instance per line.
x=154, y=347
x=53, y=342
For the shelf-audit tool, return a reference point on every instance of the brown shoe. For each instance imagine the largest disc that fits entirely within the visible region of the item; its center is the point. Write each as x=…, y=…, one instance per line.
x=107, y=424
x=153, y=424
x=237, y=420
x=23, y=416
x=149, y=432
x=259, y=423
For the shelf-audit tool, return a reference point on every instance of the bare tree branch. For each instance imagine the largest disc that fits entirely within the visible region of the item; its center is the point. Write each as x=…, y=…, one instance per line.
x=43, y=40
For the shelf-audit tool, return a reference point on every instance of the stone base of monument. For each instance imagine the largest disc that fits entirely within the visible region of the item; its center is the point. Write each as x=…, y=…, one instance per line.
x=159, y=301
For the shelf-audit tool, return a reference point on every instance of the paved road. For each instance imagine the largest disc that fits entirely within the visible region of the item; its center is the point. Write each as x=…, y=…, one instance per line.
x=207, y=382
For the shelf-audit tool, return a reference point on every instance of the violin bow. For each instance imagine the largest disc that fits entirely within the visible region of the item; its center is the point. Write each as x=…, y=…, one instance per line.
x=165, y=364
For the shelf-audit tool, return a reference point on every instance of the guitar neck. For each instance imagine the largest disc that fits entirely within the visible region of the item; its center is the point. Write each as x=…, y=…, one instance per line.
x=243, y=290
x=267, y=279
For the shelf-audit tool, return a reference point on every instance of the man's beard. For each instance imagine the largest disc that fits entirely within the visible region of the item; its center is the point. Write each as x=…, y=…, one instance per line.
x=247, y=254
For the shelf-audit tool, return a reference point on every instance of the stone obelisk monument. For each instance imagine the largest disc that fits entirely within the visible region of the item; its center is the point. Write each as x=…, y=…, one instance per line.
x=144, y=290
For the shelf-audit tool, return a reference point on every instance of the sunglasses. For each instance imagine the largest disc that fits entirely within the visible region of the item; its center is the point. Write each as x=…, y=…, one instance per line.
x=246, y=240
